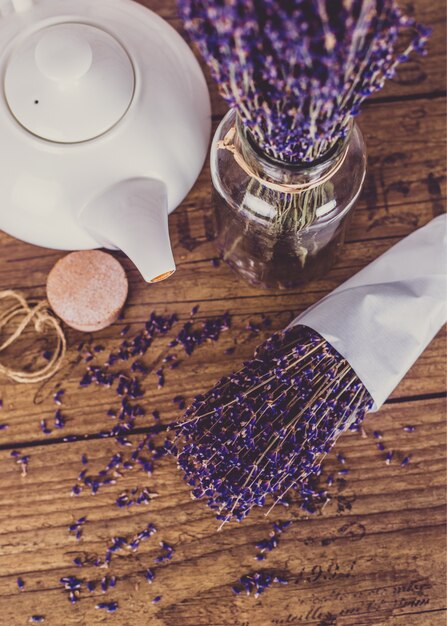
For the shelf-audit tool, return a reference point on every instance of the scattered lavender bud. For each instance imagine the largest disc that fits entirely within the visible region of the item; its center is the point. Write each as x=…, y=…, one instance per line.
x=406, y=460
x=280, y=526
x=58, y=396
x=86, y=380
x=21, y=460
x=389, y=457
x=161, y=378
x=44, y=428
x=110, y=607
x=409, y=428
x=4, y=426
x=380, y=446
x=147, y=451
x=215, y=262
x=59, y=419
x=156, y=599
x=253, y=327
x=137, y=366
x=70, y=583
x=76, y=527
x=20, y=584
x=37, y=619
x=179, y=401
x=377, y=434
x=255, y=583
x=150, y=575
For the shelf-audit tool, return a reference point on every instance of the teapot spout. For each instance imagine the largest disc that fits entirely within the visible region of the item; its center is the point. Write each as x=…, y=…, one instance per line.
x=133, y=216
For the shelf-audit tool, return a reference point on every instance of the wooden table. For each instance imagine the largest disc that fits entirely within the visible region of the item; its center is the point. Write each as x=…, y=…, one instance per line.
x=375, y=556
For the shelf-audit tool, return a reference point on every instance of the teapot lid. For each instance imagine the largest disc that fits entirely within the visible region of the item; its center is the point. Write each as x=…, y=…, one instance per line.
x=69, y=82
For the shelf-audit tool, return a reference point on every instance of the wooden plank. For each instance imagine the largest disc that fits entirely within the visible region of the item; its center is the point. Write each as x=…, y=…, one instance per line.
x=86, y=409
x=377, y=563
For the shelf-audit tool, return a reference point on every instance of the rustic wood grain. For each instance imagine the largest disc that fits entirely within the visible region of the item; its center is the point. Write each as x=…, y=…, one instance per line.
x=375, y=556
x=368, y=565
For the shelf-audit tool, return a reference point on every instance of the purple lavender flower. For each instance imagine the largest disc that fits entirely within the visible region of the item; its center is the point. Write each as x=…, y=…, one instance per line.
x=150, y=576
x=297, y=71
x=266, y=429
x=110, y=607
x=44, y=428
x=256, y=583
x=57, y=398
x=389, y=457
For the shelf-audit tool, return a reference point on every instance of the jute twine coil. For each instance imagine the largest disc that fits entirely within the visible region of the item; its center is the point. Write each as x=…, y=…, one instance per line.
x=227, y=143
x=43, y=321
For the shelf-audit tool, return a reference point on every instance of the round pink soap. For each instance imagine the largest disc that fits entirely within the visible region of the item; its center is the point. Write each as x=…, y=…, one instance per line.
x=87, y=289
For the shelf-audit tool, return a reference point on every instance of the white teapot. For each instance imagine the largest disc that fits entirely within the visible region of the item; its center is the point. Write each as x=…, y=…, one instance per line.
x=104, y=127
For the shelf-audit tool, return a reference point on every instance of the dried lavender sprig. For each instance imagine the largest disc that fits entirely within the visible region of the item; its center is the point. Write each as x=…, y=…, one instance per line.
x=265, y=429
x=298, y=70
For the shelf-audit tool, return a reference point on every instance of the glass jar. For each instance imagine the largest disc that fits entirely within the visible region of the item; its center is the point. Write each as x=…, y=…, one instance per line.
x=280, y=225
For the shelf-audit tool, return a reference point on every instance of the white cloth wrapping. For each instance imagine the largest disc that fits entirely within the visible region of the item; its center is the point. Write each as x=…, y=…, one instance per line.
x=383, y=318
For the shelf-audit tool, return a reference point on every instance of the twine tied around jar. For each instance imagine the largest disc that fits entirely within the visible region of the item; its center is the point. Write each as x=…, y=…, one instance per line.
x=42, y=320
x=228, y=143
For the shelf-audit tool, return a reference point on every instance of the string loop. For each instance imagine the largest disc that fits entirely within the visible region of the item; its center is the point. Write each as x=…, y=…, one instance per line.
x=23, y=314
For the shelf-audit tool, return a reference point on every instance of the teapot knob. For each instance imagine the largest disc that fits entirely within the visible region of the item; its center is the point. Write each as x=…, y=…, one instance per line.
x=63, y=56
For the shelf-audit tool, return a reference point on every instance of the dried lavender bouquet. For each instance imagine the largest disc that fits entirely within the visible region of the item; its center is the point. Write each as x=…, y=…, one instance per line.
x=266, y=429
x=297, y=71
x=294, y=73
